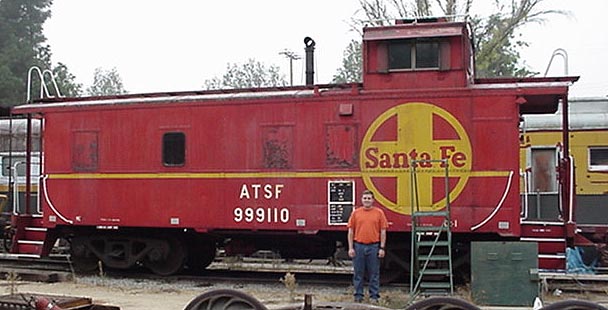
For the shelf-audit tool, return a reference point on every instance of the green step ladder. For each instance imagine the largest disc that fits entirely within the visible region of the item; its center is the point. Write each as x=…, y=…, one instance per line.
x=431, y=245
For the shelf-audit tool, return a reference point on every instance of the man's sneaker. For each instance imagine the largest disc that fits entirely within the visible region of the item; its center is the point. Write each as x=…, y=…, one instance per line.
x=374, y=301
x=358, y=300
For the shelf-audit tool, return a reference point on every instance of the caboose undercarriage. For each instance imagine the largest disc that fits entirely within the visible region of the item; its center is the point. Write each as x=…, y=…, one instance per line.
x=171, y=251
x=164, y=252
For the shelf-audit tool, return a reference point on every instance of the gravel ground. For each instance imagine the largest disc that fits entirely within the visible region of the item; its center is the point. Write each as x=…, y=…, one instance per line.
x=139, y=294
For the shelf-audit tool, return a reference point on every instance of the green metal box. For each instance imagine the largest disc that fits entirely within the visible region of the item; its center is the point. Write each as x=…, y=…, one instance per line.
x=504, y=273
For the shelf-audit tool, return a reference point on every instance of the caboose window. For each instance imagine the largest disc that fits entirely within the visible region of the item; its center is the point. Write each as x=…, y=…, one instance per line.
x=174, y=149
x=400, y=55
x=598, y=159
x=412, y=54
x=427, y=55
x=544, y=178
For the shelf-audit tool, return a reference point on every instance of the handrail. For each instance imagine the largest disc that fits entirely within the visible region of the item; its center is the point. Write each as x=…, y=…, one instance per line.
x=559, y=52
x=44, y=91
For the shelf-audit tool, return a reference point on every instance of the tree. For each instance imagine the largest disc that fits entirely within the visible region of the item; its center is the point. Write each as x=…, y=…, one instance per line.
x=352, y=64
x=66, y=81
x=494, y=37
x=248, y=75
x=106, y=82
x=22, y=45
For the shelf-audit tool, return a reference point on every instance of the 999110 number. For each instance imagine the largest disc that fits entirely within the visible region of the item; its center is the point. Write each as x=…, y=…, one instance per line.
x=261, y=215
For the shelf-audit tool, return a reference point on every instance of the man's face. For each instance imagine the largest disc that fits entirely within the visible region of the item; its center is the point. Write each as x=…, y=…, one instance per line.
x=367, y=200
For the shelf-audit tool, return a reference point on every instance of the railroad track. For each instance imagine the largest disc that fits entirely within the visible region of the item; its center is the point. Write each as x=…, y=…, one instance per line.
x=58, y=268
x=54, y=269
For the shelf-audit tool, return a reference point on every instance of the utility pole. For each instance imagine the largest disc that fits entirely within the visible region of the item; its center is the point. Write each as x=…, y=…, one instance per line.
x=292, y=56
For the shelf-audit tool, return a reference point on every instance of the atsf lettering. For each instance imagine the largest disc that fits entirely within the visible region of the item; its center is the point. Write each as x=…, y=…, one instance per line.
x=255, y=211
x=257, y=191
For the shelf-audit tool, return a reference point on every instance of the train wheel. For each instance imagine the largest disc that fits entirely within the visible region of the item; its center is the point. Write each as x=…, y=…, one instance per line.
x=573, y=305
x=166, y=260
x=82, y=258
x=224, y=299
x=442, y=303
x=85, y=263
x=7, y=239
x=201, y=255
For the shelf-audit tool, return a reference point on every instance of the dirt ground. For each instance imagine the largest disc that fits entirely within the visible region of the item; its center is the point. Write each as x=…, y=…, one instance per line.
x=129, y=294
x=138, y=294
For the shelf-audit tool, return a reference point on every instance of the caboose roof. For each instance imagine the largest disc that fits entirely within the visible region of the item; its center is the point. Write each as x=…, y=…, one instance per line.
x=414, y=30
x=540, y=95
x=171, y=97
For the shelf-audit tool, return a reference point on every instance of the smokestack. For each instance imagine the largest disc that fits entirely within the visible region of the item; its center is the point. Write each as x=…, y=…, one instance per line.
x=310, y=60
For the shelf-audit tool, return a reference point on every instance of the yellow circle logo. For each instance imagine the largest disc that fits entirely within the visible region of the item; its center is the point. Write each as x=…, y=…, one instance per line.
x=418, y=132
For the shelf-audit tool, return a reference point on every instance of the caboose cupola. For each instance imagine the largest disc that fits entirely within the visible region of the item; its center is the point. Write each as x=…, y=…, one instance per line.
x=417, y=54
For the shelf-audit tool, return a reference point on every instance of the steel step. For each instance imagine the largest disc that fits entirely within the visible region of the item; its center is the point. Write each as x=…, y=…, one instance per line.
x=434, y=258
x=429, y=213
x=438, y=272
x=439, y=243
x=435, y=285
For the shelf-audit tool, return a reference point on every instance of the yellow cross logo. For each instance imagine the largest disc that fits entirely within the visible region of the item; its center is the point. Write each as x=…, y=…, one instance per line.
x=423, y=132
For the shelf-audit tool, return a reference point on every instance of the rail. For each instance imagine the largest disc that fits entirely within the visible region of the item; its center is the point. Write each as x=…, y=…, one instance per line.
x=44, y=91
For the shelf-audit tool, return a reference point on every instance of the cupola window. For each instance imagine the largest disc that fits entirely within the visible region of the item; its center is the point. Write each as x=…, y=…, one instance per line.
x=413, y=54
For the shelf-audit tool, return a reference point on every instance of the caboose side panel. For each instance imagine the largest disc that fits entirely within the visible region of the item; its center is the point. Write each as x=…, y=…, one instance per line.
x=275, y=161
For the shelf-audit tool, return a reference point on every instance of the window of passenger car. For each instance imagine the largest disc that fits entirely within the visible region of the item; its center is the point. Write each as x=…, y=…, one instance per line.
x=598, y=158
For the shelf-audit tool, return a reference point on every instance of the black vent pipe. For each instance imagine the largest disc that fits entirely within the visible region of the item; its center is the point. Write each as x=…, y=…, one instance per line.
x=310, y=60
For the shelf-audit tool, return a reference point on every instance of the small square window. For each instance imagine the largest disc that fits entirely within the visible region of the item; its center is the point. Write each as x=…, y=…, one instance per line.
x=427, y=55
x=174, y=149
x=598, y=159
x=400, y=55
x=413, y=54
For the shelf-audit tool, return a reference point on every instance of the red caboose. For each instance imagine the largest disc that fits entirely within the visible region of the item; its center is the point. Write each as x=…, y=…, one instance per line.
x=163, y=179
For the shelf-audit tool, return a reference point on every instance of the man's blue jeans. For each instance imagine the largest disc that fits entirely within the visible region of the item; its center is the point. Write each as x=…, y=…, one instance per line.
x=366, y=263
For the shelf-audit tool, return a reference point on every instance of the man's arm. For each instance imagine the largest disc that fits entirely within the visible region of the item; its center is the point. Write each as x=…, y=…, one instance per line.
x=351, y=249
x=382, y=250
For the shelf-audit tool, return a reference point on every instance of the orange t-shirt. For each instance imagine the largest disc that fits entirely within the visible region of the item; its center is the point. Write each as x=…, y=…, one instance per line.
x=367, y=223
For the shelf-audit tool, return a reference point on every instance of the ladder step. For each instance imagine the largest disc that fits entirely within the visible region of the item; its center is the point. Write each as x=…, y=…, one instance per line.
x=35, y=229
x=29, y=248
x=435, y=285
x=34, y=233
x=429, y=213
x=432, y=228
x=431, y=243
x=35, y=242
x=434, y=258
x=438, y=272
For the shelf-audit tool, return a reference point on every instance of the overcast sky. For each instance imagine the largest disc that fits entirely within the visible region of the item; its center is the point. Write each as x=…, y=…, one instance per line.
x=176, y=45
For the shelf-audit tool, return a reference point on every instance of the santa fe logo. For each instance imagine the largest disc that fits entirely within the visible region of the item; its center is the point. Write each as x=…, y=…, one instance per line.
x=423, y=132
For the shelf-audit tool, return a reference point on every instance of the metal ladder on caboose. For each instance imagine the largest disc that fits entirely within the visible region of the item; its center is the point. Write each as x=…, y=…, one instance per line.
x=431, y=245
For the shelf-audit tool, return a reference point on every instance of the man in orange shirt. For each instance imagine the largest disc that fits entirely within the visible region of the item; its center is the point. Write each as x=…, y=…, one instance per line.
x=366, y=241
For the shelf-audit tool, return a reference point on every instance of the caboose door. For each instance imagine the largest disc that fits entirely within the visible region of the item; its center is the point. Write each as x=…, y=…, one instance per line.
x=20, y=147
x=14, y=165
